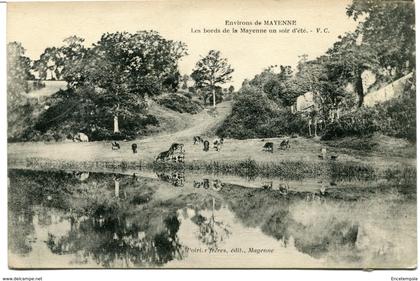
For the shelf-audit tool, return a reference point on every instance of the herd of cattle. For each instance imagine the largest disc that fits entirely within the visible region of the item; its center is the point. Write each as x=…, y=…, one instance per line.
x=176, y=151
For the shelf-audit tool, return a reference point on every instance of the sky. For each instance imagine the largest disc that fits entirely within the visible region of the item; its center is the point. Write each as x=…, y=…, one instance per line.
x=39, y=25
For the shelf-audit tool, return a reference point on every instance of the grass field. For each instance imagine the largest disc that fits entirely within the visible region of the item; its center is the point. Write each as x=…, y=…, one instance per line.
x=379, y=151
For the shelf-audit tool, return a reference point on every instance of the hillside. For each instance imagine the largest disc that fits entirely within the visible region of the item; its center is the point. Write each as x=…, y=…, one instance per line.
x=53, y=113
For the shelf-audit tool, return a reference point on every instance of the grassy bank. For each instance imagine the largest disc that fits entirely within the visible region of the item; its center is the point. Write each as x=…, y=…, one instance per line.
x=245, y=168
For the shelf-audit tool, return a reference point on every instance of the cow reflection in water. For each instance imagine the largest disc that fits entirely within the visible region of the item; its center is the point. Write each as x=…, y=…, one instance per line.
x=81, y=176
x=174, y=178
x=283, y=188
x=206, y=184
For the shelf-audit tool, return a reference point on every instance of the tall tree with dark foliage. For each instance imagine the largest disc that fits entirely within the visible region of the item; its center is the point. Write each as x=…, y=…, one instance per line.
x=212, y=71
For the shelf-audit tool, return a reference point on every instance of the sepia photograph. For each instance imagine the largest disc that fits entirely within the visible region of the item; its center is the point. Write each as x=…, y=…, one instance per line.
x=202, y=135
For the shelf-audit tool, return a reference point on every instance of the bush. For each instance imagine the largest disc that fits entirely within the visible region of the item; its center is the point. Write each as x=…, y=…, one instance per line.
x=254, y=115
x=360, y=123
x=395, y=118
x=179, y=103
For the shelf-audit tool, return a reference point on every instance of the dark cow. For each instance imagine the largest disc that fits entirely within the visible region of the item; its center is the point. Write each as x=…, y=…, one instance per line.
x=334, y=157
x=217, y=144
x=268, y=146
x=115, y=145
x=176, y=179
x=177, y=146
x=197, y=139
x=134, y=147
x=164, y=155
x=283, y=188
x=206, y=145
x=284, y=144
x=177, y=152
x=198, y=184
x=217, y=185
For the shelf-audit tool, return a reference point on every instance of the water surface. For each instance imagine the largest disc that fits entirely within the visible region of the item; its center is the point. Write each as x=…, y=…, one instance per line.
x=71, y=219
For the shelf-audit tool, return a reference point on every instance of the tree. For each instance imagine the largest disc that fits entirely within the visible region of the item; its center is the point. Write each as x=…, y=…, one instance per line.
x=50, y=64
x=278, y=86
x=317, y=76
x=185, y=79
x=212, y=71
x=121, y=69
x=18, y=72
x=73, y=58
x=58, y=63
x=389, y=28
x=348, y=59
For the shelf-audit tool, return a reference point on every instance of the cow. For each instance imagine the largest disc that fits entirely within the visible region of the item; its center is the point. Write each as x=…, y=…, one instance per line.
x=217, y=185
x=283, y=188
x=134, y=147
x=284, y=144
x=217, y=143
x=267, y=185
x=198, y=184
x=80, y=137
x=177, y=152
x=206, y=145
x=197, y=139
x=177, y=147
x=115, y=145
x=268, y=146
x=164, y=155
x=206, y=183
x=334, y=157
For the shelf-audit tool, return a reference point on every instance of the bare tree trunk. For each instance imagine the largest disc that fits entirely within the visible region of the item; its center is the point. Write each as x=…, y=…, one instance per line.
x=359, y=88
x=309, y=126
x=116, y=129
x=117, y=188
x=214, y=98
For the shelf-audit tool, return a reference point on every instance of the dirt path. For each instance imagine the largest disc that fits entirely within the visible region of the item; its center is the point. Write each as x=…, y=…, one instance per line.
x=202, y=124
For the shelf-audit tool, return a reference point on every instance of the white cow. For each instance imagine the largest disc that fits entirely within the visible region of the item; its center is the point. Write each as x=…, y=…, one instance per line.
x=80, y=137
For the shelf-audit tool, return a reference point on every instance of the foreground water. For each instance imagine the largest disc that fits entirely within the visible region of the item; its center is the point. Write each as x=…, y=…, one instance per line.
x=62, y=219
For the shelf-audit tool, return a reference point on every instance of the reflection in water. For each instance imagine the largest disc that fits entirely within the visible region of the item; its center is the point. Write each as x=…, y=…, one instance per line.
x=174, y=178
x=105, y=220
x=212, y=231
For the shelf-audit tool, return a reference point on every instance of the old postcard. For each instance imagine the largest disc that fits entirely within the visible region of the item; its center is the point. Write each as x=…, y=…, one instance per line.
x=202, y=134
